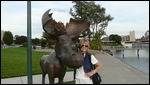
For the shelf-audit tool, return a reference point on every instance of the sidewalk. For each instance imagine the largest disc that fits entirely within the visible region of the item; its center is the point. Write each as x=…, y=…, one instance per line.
x=113, y=72
x=36, y=79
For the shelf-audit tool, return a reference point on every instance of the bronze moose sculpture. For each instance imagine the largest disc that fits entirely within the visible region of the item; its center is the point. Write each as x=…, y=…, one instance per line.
x=66, y=51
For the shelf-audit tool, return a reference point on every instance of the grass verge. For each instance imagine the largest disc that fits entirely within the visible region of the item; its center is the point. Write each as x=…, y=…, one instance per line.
x=14, y=62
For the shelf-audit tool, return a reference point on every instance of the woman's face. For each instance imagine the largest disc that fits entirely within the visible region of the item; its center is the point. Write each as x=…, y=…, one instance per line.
x=84, y=47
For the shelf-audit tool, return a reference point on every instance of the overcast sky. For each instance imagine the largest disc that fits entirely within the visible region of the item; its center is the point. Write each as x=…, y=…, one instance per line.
x=128, y=16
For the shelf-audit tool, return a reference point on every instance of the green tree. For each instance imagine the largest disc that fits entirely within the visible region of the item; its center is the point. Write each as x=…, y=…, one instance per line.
x=95, y=14
x=96, y=45
x=43, y=43
x=116, y=38
x=8, y=38
x=36, y=41
x=20, y=39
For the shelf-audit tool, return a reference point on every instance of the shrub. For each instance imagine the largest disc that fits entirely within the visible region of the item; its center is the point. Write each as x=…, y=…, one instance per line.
x=96, y=44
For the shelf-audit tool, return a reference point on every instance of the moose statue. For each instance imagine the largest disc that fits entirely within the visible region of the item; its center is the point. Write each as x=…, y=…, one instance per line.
x=66, y=51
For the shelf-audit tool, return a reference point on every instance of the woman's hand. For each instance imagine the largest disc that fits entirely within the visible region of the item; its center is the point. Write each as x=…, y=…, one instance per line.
x=88, y=74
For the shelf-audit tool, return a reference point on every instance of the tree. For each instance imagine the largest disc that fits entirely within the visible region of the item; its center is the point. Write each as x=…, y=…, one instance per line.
x=116, y=38
x=35, y=41
x=43, y=43
x=20, y=39
x=8, y=38
x=95, y=14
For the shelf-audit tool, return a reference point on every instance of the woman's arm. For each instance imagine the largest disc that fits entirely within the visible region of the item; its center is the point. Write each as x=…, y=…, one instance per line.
x=98, y=67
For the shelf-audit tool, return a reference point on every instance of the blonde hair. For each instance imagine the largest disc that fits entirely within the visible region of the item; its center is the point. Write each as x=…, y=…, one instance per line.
x=84, y=41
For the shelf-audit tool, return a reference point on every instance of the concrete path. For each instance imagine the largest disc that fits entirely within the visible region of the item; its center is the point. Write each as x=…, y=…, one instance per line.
x=36, y=79
x=113, y=72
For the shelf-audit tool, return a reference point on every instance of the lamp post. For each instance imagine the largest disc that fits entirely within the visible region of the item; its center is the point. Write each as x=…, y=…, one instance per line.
x=29, y=44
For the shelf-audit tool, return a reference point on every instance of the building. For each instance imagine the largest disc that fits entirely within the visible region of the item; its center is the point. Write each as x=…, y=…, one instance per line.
x=143, y=42
x=2, y=34
x=125, y=38
x=145, y=37
x=129, y=38
x=147, y=33
x=132, y=35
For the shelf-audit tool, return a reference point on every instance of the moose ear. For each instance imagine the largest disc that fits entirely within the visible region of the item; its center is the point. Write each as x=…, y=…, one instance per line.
x=76, y=27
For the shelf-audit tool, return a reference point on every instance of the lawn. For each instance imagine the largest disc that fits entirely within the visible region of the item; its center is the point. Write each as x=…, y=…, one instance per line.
x=14, y=62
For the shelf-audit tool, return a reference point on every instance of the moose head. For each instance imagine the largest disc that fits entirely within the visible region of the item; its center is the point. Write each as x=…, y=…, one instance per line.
x=66, y=49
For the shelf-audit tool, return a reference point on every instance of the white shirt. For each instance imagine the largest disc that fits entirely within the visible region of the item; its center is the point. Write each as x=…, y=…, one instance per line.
x=80, y=74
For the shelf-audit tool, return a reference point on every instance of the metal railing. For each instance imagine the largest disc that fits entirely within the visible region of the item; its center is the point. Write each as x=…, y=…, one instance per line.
x=123, y=47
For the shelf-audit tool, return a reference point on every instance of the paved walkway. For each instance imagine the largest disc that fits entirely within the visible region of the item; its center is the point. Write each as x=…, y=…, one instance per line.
x=36, y=79
x=113, y=72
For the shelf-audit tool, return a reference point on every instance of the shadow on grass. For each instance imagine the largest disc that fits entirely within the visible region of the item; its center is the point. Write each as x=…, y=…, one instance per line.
x=69, y=82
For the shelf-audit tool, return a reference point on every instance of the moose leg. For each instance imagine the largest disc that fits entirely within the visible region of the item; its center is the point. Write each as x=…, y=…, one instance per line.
x=62, y=74
x=43, y=78
x=61, y=77
x=51, y=80
x=60, y=80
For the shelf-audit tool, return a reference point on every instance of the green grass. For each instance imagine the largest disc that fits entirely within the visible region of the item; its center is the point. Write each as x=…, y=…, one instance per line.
x=69, y=82
x=14, y=62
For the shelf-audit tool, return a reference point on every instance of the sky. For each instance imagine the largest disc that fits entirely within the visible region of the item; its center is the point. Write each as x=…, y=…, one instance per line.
x=128, y=16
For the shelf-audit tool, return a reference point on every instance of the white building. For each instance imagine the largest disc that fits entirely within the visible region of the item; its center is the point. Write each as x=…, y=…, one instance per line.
x=2, y=34
x=132, y=35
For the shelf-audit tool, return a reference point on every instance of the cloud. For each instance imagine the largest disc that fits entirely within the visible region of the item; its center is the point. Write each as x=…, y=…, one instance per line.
x=128, y=15
x=124, y=28
x=59, y=14
x=123, y=10
x=14, y=15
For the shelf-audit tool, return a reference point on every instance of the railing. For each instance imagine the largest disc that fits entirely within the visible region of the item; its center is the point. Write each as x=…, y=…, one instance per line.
x=123, y=47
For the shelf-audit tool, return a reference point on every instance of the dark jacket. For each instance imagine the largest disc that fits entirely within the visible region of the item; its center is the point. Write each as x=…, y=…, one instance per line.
x=87, y=62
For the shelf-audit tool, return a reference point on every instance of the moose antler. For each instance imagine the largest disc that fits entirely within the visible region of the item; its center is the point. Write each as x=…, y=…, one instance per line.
x=52, y=27
x=77, y=27
x=73, y=28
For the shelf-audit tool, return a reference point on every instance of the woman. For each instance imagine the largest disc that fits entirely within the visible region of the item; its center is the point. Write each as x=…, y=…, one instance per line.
x=84, y=73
